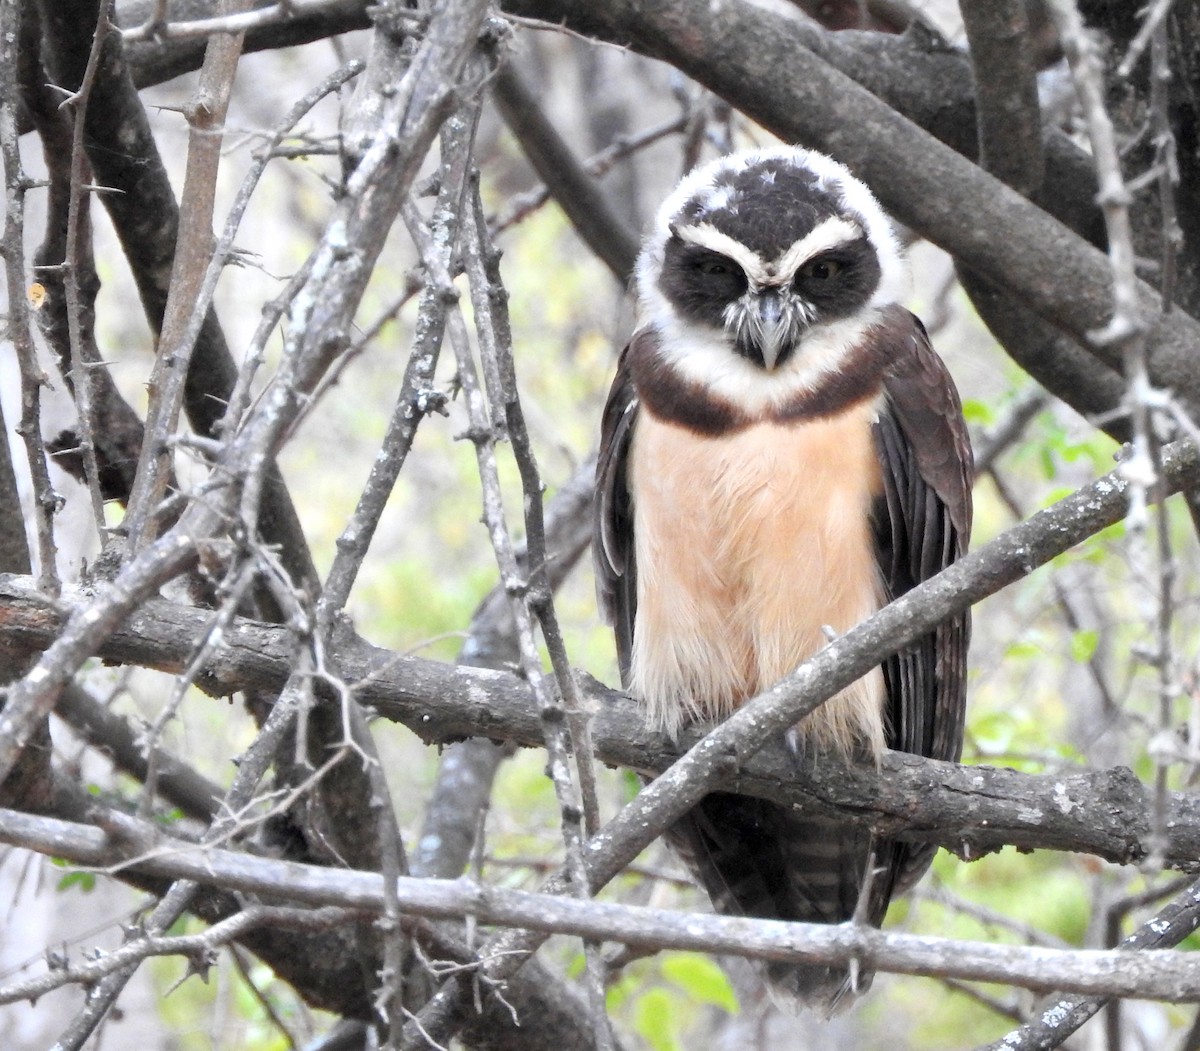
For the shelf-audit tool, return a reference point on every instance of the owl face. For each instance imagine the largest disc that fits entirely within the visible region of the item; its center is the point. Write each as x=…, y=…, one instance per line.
x=763, y=248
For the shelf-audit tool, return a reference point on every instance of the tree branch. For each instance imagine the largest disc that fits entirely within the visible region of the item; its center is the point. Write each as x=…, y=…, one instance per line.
x=138, y=846
x=114, y=737
x=142, y=206
x=1010, y=126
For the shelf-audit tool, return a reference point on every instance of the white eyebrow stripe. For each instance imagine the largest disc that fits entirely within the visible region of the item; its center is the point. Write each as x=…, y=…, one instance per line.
x=705, y=235
x=832, y=232
x=829, y=234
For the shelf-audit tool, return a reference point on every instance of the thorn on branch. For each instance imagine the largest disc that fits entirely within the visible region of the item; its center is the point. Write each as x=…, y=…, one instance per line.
x=478, y=436
x=429, y=400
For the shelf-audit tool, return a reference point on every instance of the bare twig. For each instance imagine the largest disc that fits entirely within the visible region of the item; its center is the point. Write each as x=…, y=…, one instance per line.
x=242, y=965
x=1068, y=604
x=114, y=737
x=417, y=397
x=156, y=27
x=250, y=769
x=14, y=545
x=142, y=205
x=1166, y=161
x=490, y=303
x=1008, y=430
x=466, y=769
x=1126, y=331
x=597, y=165
x=19, y=327
x=1152, y=22
x=482, y=435
x=197, y=947
x=77, y=236
x=233, y=592
x=239, y=396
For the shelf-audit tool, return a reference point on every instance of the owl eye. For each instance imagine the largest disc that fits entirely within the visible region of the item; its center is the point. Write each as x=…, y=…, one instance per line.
x=821, y=269
x=714, y=267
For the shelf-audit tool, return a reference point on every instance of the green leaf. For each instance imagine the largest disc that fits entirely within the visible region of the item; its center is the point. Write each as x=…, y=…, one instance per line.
x=701, y=979
x=1024, y=649
x=85, y=881
x=576, y=965
x=978, y=412
x=1083, y=645
x=652, y=1020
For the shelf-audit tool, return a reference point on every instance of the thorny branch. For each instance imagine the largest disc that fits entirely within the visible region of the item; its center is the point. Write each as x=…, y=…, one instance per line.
x=490, y=416
x=1126, y=330
x=251, y=768
x=489, y=300
x=194, y=261
x=78, y=226
x=338, y=277
x=199, y=948
x=20, y=330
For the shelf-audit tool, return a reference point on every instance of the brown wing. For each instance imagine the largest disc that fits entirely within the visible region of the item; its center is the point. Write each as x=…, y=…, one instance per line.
x=612, y=540
x=922, y=524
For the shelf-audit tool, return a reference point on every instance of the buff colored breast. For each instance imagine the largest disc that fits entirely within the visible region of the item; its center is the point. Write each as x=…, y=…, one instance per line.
x=748, y=545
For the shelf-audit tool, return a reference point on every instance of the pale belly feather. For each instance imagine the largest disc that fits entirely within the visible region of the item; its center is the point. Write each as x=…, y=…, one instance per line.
x=748, y=546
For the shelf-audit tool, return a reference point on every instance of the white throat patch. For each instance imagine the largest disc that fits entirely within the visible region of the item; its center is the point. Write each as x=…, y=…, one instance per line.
x=701, y=354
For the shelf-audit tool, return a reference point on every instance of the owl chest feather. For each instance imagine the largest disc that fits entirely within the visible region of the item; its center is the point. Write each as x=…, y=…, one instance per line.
x=750, y=545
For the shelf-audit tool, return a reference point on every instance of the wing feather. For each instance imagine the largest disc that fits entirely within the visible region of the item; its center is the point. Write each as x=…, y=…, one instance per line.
x=922, y=524
x=612, y=542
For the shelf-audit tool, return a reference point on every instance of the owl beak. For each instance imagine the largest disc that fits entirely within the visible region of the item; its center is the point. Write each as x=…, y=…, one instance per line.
x=774, y=327
x=766, y=323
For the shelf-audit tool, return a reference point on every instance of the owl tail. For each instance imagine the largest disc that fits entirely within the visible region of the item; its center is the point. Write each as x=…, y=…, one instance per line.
x=760, y=859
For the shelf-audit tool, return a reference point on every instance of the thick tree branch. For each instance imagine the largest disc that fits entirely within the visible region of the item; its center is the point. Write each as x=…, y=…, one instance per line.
x=971, y=809
x=1010, y=125
x=930, y=85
